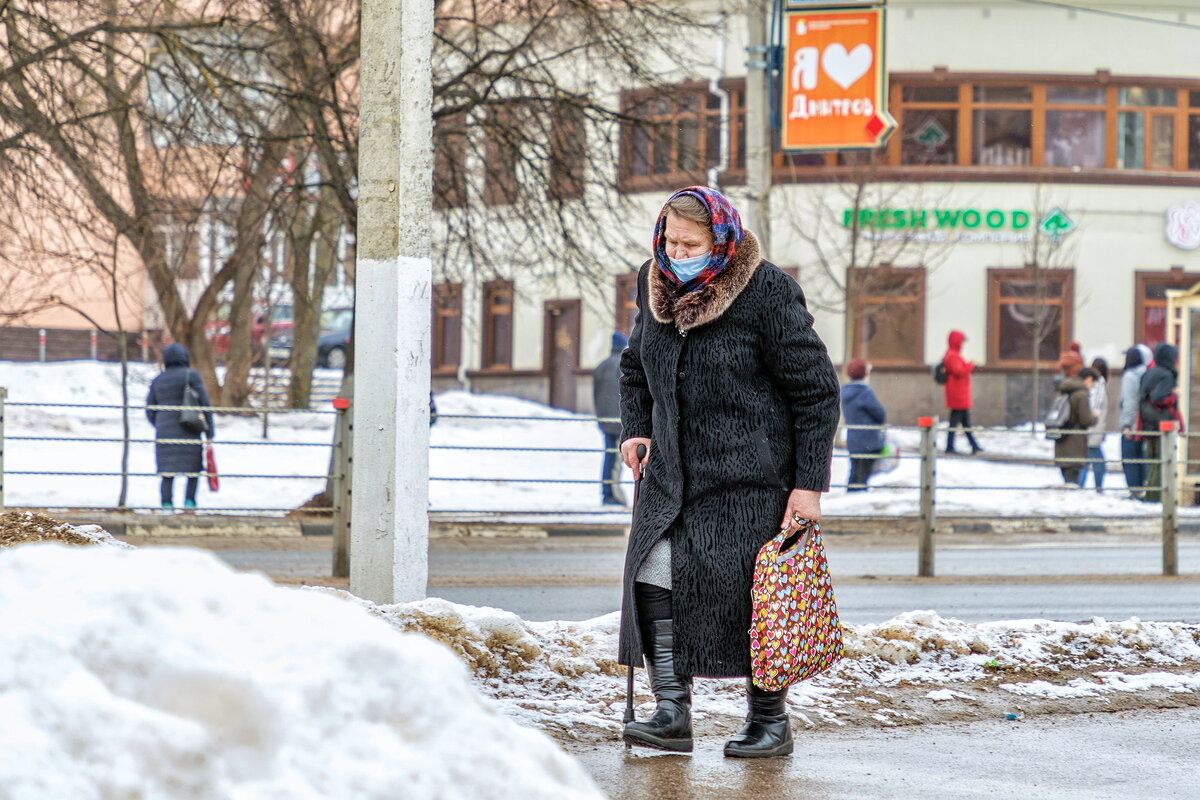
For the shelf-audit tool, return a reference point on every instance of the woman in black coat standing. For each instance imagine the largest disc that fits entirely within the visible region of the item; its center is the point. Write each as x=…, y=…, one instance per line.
x=177, y=458
x=731, y=391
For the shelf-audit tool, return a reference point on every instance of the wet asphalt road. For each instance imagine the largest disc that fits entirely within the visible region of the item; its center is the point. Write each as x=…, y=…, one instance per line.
x=1142, y=755
x=578, y=578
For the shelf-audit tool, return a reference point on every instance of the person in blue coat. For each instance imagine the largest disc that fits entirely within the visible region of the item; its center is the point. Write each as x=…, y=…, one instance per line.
x=860, y=406
x=177, y=458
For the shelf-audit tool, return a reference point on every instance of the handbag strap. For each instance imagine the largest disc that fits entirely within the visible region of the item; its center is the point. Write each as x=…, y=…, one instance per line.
x=789, y=546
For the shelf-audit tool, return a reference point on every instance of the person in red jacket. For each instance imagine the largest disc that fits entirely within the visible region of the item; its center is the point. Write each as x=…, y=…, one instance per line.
x=958, y=392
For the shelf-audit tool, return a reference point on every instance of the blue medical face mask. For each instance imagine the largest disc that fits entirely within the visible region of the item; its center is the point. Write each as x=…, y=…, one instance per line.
x=687, y=268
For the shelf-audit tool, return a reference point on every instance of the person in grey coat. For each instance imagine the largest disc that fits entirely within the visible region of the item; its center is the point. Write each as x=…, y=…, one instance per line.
x=732, y=393
x=1133, y=449
x=606, y=395
x=178, y=458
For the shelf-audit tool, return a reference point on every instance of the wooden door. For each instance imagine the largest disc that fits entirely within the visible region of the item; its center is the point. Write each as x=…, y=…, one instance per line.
x=561, y=351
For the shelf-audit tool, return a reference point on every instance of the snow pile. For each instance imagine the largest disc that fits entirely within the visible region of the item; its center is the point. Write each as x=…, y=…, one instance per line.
x=163, y=674
x=22, y=527
x=923, y=646
x=562, y=676
x=1108, y=683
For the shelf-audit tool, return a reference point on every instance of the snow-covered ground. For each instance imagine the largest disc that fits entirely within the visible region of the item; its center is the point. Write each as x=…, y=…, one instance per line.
x=296, y=452
x=162, y=674
x=562, y=676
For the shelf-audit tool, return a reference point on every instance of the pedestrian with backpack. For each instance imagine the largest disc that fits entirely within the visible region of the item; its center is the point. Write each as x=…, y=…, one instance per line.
x=179, y=385
x=958, y=391
x=1070, y=447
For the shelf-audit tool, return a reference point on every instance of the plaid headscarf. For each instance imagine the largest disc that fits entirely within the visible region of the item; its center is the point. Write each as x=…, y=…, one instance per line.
x=727, y=235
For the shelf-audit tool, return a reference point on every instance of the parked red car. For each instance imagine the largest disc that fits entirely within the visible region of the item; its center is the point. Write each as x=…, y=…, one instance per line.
x=217, y=330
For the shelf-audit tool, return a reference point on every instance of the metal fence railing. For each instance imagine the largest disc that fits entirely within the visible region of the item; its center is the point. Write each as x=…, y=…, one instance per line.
x=486, y=466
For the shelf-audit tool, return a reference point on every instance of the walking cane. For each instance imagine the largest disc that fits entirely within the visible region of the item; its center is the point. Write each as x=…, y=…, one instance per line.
x=637, y=484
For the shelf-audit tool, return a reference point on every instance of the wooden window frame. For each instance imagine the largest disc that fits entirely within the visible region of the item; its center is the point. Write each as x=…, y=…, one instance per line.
x=631, y=100
x=918, y=273
x=887, y=161
x=491, y=291
x=501, y=183
x=625, y=310
x=1172, y=279
x=994, y=276
x=441, y=310
x=568, y=154
x=449, y=162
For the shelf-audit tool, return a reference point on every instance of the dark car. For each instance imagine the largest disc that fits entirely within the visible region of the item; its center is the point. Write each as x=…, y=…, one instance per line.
x=332, y=347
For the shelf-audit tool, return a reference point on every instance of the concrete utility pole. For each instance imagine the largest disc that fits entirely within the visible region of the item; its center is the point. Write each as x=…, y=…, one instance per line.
x=389, y=522
x=757, y=210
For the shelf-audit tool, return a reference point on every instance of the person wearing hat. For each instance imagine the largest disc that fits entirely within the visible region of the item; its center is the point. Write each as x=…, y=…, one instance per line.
x=864, y=416
x=606, y=395
x=958, y=392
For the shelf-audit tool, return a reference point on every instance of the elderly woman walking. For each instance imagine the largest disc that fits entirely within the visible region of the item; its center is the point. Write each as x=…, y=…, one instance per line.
x=732, y=393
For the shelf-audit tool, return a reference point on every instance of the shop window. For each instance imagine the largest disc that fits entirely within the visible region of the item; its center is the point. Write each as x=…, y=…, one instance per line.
x=497, y=325
x=1029, y=311
x=929, y=136
x=888, y=314
x=674, y=135
x=1025, y=129
x=1150, y=311
x=447, y=327
x=1193, y=131
x=626, y=308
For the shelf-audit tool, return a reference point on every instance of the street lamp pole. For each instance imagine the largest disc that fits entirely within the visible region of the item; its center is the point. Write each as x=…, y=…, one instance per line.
x=389, y=533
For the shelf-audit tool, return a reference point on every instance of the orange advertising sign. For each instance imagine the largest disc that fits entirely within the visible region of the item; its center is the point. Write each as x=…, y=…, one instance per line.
x=834, y=82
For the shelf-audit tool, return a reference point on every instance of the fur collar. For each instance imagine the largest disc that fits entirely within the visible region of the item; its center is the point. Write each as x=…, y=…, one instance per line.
x=693, y=309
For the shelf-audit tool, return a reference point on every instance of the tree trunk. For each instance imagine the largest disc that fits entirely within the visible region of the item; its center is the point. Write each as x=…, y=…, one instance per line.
x=308, y=288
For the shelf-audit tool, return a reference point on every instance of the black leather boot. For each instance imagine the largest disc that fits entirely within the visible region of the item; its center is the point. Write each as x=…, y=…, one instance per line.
x=767, y=731
x=670, y=727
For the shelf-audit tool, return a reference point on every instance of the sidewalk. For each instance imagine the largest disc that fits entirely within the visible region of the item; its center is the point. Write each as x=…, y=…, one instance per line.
x=1098, y=756
x=537, y=526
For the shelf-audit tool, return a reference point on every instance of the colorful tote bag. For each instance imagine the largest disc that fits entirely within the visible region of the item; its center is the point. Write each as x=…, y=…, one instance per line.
x=794, y=628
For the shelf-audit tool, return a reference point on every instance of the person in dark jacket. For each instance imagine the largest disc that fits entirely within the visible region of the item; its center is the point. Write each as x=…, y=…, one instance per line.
x=1070, y=449
x=606, y=395
x=731, y=391
x=958, y=391
x=1158, y=396
x=177, y=458
x=860, y=406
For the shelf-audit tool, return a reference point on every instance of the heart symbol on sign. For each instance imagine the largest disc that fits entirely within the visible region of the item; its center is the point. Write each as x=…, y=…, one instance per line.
x=845, y=68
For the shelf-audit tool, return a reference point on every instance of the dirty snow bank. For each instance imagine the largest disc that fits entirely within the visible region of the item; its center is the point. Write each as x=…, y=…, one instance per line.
x=562, y=676
x=23, y=527
x=165, y=675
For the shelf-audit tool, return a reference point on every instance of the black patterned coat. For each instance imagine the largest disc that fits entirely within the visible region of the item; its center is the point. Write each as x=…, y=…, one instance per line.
x=737, y=393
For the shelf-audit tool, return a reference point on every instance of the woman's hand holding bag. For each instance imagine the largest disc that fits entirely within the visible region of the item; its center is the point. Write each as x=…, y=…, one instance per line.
x=802, y=504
